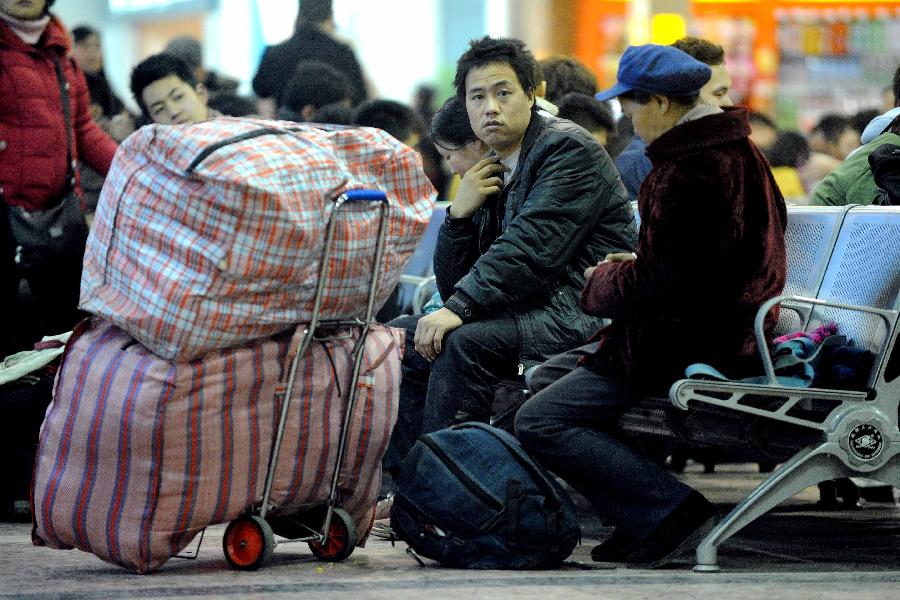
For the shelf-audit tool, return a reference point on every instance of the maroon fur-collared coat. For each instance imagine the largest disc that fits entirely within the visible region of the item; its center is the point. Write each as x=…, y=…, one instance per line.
x=710, y=252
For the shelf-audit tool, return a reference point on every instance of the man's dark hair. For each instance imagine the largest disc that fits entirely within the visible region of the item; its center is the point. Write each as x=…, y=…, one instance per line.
x=314, y=11
x=897, y=86
x=860, y=120
x=586, y=111
x=487, y=50
x=565, y=75
x=703, y=50
x=789, y=150
x=450, y=126
x=154, y=68
x=758, y=118
x=397, y=119
x=315, y=83
x=83, y=32
x=334, y=114
x=642, y=97
x=831, y=126
x=232, y=105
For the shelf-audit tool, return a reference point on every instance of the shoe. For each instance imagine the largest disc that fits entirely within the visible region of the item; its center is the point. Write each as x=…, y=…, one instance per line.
x=615, y=548
x=679, y=533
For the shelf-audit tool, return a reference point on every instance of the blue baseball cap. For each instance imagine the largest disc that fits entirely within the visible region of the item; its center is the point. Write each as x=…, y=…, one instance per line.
x=658, y=69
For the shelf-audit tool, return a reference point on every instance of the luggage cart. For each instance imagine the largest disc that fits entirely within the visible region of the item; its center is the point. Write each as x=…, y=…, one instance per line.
x=328, y=529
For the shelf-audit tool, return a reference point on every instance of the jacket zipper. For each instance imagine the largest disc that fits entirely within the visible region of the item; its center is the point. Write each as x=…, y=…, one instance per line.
x=460, y=474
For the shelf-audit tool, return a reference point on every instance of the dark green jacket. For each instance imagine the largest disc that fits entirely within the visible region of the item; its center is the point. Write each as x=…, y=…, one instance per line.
x=525, y=251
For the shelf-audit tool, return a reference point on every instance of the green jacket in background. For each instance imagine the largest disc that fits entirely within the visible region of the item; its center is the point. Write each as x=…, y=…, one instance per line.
x=852, y=182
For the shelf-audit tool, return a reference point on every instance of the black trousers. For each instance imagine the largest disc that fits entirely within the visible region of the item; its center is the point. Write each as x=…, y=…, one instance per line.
x=458, y=386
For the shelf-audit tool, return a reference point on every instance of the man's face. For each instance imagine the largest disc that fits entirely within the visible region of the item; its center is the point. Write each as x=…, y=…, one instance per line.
x=499, y=109
x=27, y=10
x=716, y=91
x=649, y=120
x=171, y=101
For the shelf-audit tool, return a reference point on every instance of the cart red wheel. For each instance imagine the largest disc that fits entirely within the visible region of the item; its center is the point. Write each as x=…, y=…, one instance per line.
x=341, y=538
x=248, y=543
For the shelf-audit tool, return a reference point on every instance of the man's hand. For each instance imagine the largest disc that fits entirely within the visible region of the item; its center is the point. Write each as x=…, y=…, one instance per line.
x=431, y=329
x=477, y=184
x=610, y=258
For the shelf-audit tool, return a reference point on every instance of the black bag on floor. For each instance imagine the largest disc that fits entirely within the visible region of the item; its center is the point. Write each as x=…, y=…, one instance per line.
x=23, y=404
x=470, y=497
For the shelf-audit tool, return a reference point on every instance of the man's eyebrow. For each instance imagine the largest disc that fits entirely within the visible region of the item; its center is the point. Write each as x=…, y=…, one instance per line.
x=481, y=88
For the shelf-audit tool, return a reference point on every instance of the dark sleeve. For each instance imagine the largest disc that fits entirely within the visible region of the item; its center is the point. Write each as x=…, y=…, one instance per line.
x=268, y=81
x=684, y=252
x=455, y=253
x=94, y=146
x=560, y=211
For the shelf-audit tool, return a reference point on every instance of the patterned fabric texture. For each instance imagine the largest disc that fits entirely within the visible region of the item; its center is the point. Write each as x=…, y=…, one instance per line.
x=211, y=235
x=138, y=454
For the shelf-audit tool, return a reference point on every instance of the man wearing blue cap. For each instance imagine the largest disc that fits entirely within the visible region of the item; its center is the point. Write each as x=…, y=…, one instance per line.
x=710, y=252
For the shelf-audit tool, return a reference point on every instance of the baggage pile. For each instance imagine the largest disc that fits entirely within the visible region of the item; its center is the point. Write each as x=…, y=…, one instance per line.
x=232, y=372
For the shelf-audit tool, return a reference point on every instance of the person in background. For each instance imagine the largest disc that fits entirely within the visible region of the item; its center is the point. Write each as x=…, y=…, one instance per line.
x=833, y=135
x=313, y=85
x=763, y=131
x=313, y=39
x=190, y=51
x=590, y=113
x=787, y=156
x=509, y=259
x=633, y=163
x=106, y=108
x=565, y=75
x=36, y=172
x=711, y=251
x=165, y=89
x=852, y=182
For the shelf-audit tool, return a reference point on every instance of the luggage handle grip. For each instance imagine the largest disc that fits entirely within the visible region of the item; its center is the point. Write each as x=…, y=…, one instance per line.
x=363, y=196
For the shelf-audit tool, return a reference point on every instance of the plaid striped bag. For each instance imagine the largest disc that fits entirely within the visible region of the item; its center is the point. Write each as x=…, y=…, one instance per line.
x=138, y=454
x=211, y=235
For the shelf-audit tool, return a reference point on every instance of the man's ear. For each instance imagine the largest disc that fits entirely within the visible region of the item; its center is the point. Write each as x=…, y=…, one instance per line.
x=662, y=103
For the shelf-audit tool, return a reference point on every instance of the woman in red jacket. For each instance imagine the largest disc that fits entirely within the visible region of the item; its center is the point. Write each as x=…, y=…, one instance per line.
x=34, y=155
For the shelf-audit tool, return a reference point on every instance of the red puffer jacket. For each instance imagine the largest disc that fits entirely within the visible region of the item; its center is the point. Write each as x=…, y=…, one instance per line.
x=32, y=125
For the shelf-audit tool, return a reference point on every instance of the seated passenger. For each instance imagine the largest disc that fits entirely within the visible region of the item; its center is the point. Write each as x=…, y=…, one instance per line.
x=852, y=182
x=165, y=89
x=510, y=258
x=710, y=252
x=313, y=85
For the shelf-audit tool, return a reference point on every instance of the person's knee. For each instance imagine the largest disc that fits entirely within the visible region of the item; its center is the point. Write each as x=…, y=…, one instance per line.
x=530, y=424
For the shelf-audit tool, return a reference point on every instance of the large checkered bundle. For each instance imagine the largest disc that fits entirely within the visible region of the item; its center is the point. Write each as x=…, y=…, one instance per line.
x=211, y=235
x=137, y=454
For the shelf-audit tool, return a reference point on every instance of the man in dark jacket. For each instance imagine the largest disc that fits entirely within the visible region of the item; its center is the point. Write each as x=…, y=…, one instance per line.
x=710, y=252
x=509, y=265
x=312, y=40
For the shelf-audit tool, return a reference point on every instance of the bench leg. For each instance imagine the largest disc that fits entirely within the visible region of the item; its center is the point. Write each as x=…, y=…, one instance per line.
x=808, y=467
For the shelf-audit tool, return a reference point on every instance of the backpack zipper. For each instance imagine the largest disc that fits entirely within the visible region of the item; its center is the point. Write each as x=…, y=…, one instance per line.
x=460, y=474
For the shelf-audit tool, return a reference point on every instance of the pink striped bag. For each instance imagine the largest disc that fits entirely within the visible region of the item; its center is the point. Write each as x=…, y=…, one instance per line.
x=138, y=454
x=211, y=235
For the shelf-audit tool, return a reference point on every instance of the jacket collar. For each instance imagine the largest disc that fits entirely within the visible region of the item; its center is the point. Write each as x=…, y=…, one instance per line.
x=730, y=125
x=55, y=37
x=536, y=125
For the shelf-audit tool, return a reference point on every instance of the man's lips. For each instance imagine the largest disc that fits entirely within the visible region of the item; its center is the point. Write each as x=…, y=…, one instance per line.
x=492, y=124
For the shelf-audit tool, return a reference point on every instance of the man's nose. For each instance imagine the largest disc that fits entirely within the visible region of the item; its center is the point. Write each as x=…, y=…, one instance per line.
x=491, y=106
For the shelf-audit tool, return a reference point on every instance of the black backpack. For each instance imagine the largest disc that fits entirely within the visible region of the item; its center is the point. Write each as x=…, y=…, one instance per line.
x=470, y=497
x=885, y=164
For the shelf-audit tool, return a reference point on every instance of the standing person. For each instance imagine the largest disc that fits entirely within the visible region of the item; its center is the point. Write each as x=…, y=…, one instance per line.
x=41, y=137
x=710, y=252
x=509, y=260
x=313, y=39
